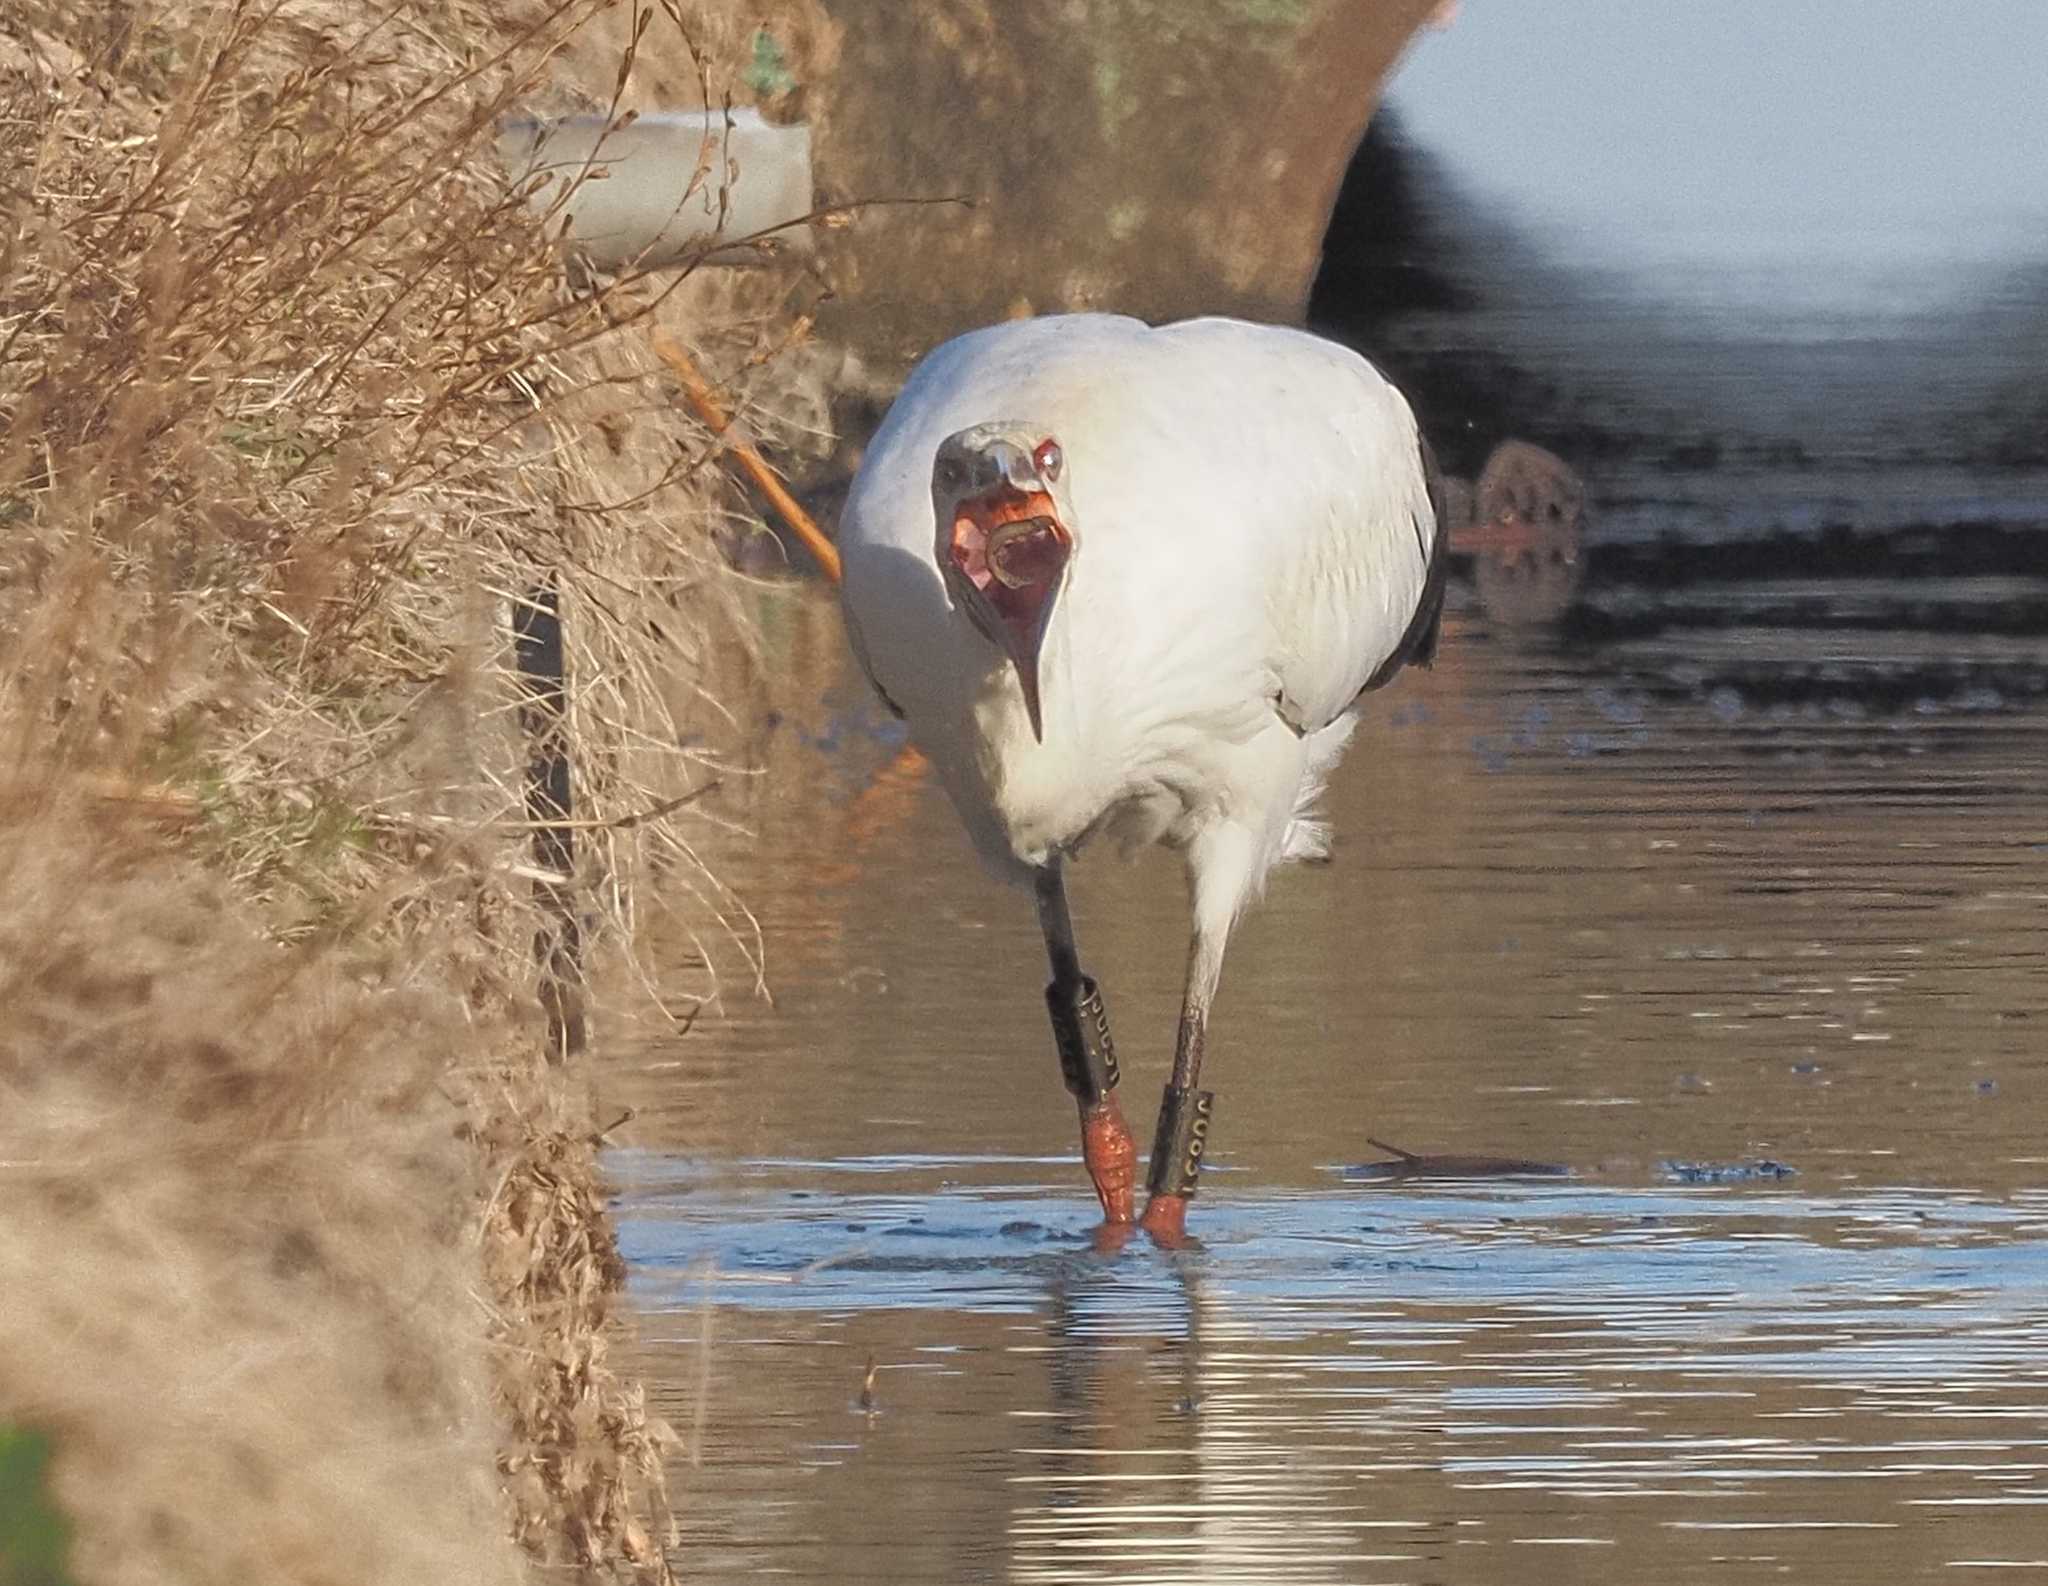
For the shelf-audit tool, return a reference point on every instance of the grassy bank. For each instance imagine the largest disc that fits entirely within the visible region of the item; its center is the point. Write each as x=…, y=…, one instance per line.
x=305, y=1266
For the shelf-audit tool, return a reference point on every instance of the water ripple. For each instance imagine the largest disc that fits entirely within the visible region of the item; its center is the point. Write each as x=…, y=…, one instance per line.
x=1662, y=1374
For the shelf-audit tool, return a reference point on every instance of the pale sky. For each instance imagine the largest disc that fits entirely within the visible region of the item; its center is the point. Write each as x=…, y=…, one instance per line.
x=1747, y=128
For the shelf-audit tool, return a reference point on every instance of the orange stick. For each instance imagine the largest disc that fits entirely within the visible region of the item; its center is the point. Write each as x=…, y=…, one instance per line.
x=699, y=391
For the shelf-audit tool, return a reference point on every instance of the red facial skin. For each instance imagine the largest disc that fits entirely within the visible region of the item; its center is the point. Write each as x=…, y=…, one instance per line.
x=1032, y=563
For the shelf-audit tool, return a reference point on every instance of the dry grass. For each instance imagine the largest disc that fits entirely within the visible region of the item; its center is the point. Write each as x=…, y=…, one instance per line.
x=304, y=1252
x=242, y=1292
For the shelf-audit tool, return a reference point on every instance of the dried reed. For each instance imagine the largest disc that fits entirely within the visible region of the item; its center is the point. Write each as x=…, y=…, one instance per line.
x=295, y=1224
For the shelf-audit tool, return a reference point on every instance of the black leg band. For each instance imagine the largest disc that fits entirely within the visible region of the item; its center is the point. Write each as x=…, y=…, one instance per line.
x=1080, y=1028
x=1182, y=1138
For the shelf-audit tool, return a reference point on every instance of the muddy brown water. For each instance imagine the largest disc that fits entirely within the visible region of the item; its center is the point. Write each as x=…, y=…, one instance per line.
x=1704, y=896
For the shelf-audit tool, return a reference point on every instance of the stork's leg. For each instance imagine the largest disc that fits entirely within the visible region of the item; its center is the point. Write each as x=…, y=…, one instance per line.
x=1183, y=1134
x=1080, y=1028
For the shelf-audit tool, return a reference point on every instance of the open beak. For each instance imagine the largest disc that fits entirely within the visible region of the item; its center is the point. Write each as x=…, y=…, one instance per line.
x=1011, y=549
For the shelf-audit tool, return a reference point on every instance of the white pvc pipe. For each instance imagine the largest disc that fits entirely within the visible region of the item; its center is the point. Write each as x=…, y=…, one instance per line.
x=664, y=187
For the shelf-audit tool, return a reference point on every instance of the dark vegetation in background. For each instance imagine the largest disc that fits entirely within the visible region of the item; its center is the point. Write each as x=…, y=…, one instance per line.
x=1392, y=253
x=1410, y=254
x=1435, y=287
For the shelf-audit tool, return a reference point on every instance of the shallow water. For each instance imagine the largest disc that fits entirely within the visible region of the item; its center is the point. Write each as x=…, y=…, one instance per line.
x=1734, y=885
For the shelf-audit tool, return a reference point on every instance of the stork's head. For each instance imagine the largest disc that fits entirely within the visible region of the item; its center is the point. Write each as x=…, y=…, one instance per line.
x=1006, y=536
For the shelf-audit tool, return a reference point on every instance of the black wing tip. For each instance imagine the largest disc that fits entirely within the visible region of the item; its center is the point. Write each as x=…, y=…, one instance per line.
x=1439, y=555
x=1424, y=633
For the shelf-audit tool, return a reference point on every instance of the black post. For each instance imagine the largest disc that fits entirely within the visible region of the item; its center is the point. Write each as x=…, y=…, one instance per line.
x=544, y=717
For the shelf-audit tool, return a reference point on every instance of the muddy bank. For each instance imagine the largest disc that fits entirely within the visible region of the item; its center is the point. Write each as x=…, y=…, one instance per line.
x=1157, y=159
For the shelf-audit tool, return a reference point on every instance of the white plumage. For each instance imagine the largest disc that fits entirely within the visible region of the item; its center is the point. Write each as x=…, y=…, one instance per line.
x=1253, y=541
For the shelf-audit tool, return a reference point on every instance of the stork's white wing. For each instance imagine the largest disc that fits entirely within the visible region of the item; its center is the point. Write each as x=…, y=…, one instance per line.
x=1332, y=484
x=1254, y=534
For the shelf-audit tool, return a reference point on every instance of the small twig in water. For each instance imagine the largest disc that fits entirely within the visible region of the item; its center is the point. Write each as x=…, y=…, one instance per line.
x=1412, y=1164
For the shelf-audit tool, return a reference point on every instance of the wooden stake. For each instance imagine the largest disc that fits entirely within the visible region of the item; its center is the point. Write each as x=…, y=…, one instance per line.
x=705, y=401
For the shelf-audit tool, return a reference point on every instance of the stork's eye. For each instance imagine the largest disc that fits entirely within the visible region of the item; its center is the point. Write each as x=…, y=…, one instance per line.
x=951, y=475
x=1049, y=458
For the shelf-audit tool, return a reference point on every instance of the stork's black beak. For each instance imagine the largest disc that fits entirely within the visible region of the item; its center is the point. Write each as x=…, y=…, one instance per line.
x=1023, y=644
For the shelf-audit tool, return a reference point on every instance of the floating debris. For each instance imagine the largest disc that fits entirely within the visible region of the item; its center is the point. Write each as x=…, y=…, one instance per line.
x=1762, y=1169
x=1525, y=530
x=1412, y=1165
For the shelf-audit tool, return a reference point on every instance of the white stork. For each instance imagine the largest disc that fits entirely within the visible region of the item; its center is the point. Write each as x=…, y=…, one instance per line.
x=1132, y=581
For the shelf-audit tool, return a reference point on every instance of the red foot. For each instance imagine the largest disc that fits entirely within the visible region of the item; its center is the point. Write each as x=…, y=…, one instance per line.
x=1110, y=1238
x=1112, y=1158
x=1166, y=1220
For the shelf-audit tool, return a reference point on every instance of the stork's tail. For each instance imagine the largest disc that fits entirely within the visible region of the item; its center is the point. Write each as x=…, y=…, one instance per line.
x=1307, y=836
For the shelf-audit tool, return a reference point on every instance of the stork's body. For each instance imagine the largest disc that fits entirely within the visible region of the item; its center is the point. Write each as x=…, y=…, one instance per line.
x=1131, y=582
